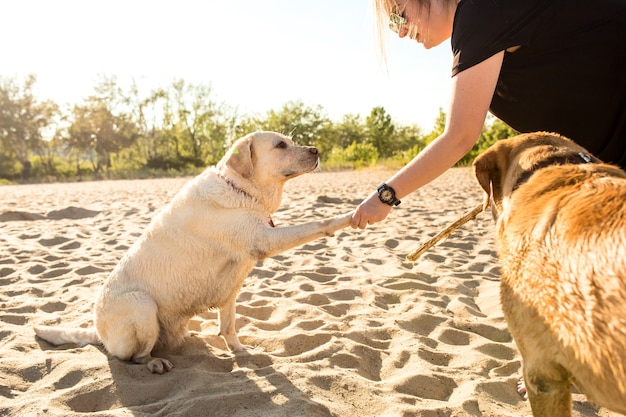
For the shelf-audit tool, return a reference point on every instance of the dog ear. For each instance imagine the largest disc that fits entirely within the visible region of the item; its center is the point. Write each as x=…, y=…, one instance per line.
x=487, y=172
x=239, y=158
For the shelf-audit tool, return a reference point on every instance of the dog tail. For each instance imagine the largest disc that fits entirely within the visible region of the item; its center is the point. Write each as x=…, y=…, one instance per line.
x=61, y=335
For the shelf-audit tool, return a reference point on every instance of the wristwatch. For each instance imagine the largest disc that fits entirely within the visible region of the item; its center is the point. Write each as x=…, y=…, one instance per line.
x=387, y=195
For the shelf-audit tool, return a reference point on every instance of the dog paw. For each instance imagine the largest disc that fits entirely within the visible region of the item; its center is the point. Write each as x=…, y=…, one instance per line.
x=232, y=342
x=237, y=348
x=246, y=351
x=521, y=388
x=159, y=365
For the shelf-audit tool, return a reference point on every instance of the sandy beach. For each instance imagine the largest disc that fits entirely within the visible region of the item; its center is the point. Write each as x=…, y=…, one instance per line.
x=344, y=326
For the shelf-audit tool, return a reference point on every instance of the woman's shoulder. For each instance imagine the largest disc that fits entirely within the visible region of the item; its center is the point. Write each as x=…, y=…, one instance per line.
x=484, y=27
x=516, y=12
x=491, y=13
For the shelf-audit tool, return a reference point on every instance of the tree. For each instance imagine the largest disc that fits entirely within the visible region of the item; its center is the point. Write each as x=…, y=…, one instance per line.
x=101, y=126
x=409, y=142
x=22, y=122
x=194, y=110
x=350, y=130
x=97, y=132
x=493, y=130
x=48, y=152
x=439, y=128
x=308, y=126
x=146, y=113
x=380, y=131
x=195, y=128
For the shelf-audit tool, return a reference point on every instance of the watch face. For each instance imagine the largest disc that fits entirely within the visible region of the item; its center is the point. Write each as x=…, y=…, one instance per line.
x=386, y=195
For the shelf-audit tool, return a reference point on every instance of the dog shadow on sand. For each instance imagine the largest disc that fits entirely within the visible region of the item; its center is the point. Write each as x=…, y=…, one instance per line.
x=206, y=381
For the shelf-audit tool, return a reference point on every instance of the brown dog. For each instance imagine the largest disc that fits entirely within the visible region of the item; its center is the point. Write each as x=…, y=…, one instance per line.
x=561, y=237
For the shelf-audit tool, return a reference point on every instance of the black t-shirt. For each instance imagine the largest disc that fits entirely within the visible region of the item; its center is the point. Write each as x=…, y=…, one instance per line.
x=569, y=74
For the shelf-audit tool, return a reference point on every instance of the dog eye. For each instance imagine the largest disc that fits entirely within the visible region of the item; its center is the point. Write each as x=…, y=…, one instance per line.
x=281, y=145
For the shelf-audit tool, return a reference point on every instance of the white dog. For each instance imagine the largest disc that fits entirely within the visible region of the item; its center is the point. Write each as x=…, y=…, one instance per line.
x=197, y=252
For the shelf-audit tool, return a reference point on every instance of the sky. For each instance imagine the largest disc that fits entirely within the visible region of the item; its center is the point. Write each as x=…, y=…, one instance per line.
x=256, y=55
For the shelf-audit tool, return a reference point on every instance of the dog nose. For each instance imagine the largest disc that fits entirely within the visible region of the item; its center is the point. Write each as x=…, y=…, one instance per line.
x=313, y=150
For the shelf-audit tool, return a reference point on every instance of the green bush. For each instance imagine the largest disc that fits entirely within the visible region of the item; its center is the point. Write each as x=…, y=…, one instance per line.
x=9, y=168
x=357, y=155
x=162, y=162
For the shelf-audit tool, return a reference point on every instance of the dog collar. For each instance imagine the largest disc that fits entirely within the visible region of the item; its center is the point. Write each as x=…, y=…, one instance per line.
x=239, y=190
x=232, y=184
x=573, y=159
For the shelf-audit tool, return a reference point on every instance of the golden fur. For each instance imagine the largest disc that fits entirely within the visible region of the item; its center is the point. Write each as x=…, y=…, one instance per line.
x=561, y=240
x=197, y=251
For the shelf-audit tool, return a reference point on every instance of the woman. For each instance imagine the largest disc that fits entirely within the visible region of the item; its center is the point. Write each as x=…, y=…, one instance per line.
x=552, y=65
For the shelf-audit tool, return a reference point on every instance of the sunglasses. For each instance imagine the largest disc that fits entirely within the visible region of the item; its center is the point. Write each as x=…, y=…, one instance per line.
x=396, y=21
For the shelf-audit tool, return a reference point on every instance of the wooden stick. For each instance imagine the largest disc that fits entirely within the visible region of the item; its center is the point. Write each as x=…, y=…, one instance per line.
x=445, y=233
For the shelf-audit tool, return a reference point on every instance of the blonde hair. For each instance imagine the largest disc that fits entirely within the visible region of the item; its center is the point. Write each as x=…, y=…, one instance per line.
x=382, y=10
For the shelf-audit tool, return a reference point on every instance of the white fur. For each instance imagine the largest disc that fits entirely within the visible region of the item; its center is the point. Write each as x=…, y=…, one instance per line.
x=197, y=252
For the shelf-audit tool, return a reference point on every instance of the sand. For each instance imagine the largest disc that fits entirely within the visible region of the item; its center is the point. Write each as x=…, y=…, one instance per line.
x=343, y=326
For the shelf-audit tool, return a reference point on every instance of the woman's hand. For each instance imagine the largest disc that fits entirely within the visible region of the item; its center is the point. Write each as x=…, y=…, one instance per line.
x=370, y=211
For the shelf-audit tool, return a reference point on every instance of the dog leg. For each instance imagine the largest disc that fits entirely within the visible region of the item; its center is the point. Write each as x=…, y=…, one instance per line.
x=129, y=329
x=227, y=327
x=548, y=397
x=173, y=330
x=281, y=239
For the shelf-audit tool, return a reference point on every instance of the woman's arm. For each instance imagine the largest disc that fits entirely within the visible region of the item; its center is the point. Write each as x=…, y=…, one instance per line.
x=472, y=91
